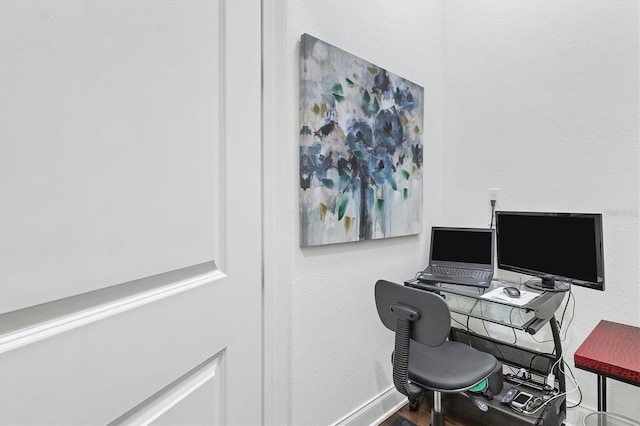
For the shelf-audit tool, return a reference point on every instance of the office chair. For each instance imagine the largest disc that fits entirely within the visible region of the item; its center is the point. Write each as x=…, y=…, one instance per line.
x=423, y=359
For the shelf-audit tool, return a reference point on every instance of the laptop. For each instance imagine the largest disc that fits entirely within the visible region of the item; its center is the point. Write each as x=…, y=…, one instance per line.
x=460, y=256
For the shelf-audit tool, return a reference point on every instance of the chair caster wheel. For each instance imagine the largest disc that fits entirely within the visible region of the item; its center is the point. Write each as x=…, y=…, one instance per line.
x=414, y=405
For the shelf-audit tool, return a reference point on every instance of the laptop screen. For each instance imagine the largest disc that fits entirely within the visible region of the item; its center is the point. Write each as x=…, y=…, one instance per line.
x=462, y=245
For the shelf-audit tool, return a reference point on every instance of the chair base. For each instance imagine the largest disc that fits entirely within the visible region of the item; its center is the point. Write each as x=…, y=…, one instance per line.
x=437, y=418
x=437, y=412
x=437, y=415
x=414, y=405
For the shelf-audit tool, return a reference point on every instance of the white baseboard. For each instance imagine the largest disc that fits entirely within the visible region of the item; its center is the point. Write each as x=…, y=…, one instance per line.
x=375, y=411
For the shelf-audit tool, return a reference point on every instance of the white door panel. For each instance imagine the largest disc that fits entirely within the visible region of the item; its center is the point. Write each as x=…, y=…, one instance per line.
x=130, y=212
x=209, y=394
x=95, y=365
x=116, y=105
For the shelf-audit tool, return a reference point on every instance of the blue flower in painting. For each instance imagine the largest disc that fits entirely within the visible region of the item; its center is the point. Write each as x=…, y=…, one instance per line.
x=382, y=170
x=313, y=162
x=381, y=82
x=404, y=99
x=359, y=137
x=388, y=129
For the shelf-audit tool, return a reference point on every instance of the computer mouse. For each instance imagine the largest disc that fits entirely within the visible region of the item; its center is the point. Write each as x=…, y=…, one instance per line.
x=512, y=291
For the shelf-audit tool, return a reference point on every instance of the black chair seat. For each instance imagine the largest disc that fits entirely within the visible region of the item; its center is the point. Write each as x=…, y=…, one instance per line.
x=451, y=367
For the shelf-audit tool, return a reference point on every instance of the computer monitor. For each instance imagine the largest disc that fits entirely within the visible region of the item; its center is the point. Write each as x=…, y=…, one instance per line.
x=559, y=248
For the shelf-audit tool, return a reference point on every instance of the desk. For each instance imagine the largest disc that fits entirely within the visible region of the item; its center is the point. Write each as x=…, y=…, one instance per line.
x=469, y=301
x=530, y=318
x=611, y=350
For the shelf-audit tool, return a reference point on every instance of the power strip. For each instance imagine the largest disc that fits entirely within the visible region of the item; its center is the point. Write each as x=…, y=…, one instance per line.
x=528, y=383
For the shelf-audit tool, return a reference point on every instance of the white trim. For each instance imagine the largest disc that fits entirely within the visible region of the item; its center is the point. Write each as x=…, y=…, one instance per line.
x=30, y=325
x=376, y=410
x=161, y=402
x=276, y=249
x=220, y=145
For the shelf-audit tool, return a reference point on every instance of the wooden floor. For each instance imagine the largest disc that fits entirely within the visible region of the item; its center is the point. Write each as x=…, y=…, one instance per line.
x=422, y=417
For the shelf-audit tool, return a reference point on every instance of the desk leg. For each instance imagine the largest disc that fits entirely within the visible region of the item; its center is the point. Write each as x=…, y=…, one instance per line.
x=602, y=393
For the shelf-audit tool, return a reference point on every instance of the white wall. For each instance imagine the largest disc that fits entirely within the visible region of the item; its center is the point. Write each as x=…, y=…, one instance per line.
x=340, y=353
x=541, y=100
x=537, y=98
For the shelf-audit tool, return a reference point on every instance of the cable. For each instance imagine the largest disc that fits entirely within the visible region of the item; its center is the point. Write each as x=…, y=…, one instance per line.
x=469, y=317
x=544, y=404
x=564, y=311
x=489, y=335
x=484, y=325
x=511, y=313
x=493, y=209
x=555, y=363
x=453, y=319
x=573, y=381
x=576, y=383
x=573, y=314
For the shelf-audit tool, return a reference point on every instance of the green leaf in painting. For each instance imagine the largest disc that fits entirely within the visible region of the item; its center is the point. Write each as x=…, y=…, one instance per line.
x=328, y=183
x=405, y=174
x=376, y=107
x=337, y=88
x=366, y=98
x=339, y=98
x=343, y=207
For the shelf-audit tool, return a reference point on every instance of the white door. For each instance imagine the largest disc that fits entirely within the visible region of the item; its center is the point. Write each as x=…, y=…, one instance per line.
x=130, y=218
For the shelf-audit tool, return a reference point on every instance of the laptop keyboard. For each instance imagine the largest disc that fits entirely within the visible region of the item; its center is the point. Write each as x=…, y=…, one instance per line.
x=456, y=272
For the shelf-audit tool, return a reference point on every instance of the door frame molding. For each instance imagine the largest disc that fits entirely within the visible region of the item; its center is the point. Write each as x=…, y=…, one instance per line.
x=276, y=250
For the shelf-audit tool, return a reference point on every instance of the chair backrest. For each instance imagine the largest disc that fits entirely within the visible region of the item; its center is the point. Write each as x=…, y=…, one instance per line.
x=434, y=322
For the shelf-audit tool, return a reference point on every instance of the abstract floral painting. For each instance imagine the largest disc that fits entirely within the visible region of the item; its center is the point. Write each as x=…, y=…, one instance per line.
x=361, y=149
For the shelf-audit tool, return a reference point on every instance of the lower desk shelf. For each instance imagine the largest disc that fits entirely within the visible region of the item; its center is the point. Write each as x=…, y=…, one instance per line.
x=464, y=407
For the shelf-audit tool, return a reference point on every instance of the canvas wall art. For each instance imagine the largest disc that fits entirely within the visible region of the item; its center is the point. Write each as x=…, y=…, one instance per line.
x=361, y=130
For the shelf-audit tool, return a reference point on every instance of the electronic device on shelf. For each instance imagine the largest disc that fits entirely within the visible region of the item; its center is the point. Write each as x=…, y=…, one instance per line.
x=521, y=400
x=509, y=396
x=559, y=248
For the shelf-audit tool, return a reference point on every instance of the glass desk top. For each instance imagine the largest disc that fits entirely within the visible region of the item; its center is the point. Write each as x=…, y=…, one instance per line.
x=469, y=301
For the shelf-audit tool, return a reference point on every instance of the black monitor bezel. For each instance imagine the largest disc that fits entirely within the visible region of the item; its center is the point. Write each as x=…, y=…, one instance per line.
x=546, y=275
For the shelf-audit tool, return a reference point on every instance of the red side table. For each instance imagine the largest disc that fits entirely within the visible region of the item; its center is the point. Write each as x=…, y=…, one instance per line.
x=611, y=350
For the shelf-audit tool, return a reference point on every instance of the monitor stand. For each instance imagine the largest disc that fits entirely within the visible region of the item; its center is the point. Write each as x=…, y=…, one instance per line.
x=547, y=283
